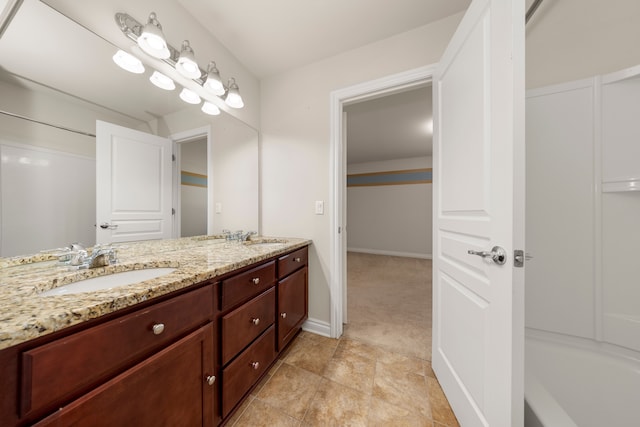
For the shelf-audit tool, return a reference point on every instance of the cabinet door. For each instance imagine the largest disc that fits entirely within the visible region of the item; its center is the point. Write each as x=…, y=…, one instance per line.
x=170, y=388
x=292, y=305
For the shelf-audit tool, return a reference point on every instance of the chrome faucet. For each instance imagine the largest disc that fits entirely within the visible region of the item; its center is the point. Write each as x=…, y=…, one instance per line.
x=77, y=256
x=245, y=236
x=101, y=257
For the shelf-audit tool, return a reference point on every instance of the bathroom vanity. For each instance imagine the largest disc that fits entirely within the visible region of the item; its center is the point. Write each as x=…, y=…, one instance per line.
x=181, y=349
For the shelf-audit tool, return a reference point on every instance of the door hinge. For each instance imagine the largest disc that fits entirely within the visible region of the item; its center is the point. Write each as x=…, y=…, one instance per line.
x=173, y=211
x=173, y=157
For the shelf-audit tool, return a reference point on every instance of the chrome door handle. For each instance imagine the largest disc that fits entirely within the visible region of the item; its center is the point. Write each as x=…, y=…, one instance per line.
x=106, y=225
x=497, y=254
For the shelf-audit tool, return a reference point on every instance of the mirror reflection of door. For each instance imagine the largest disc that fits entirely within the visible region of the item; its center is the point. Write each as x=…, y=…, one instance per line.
x=193, y=187
x=133, y=185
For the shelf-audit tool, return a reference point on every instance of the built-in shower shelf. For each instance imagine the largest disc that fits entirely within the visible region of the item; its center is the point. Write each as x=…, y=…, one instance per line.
x=620, y=104
x=619, y=186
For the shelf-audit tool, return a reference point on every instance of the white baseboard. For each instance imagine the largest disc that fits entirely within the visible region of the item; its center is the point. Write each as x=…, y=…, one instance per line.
x=390, y=253
x=317, y=327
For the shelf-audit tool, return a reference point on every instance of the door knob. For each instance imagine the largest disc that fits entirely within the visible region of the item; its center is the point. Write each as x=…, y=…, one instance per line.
x=497, y=254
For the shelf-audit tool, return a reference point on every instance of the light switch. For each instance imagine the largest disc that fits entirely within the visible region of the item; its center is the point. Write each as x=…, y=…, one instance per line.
x=319, y=207
x=218, y=207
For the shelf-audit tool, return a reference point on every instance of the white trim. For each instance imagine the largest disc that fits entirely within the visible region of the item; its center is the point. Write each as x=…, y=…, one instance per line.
x=318, y=327
x=390, y=253
x=184, y=137
x=339, y=98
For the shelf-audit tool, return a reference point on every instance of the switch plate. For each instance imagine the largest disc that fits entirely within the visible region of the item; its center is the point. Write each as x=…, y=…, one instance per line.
x=218, y=207
x=319, y=207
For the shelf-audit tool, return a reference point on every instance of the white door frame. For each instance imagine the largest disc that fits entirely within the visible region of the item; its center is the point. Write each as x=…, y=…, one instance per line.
x=186, y=137
x=340, y=98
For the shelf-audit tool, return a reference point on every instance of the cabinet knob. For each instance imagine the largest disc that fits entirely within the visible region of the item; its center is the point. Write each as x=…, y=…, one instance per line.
x=158, y=328
x=255, y=280
x=283, y=315
x=297, y=259
x=255, y=321
x=255, y=365
x=211, y=379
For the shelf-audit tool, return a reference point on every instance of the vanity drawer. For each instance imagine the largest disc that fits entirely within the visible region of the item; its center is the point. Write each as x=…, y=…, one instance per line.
x=244, y=372
x=291, y=262
x=243, y=286
x=245, y=323
x=53, y=372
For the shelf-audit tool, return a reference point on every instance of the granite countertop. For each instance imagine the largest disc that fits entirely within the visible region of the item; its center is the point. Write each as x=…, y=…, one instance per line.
x=25, y=314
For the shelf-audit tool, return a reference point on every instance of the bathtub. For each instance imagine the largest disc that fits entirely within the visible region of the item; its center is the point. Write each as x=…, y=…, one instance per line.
x=579, y=384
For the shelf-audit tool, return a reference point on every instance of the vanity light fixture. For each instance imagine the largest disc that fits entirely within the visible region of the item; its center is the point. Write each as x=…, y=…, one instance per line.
x=162, y=81
x=210, y=108
x=213, y=81
x=233, y=98
x=187, y=65
x=189, y=96
x=128, y=62
x=151, y=40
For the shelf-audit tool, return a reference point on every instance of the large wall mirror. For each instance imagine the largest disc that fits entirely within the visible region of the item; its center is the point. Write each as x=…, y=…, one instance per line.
x=56, y=79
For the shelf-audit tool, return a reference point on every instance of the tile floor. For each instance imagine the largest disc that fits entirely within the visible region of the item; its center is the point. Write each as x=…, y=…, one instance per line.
x=371, y=376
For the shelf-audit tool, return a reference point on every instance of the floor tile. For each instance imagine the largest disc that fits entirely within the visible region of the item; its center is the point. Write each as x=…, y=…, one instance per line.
x=312, y=354
x=352, y=370
x=384, y=414
x=441, y=411
x=290, y=390
x=337, y=405
x=401, y=388
x=259, y=414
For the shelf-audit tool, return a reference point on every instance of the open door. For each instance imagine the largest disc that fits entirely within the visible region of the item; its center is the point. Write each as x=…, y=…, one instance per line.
x=133, y=185
x=478, y=309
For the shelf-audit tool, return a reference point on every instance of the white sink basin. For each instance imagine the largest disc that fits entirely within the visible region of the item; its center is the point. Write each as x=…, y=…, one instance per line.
x=109, y=281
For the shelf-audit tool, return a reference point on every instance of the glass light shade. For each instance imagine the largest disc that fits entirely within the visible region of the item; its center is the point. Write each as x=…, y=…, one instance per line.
x=162, y=81
x=233, y=98
x=187, y=65
x=151, y=39
x=213, y=82
x=128, y=62
x=189, y=96
x=210, y=108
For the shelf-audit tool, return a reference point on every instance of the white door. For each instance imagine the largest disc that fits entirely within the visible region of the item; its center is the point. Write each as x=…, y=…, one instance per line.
x=478, y=310
x=133, y=185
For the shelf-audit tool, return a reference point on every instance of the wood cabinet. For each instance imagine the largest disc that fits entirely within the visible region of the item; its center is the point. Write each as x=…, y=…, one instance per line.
x=292, y=295
x=189, y=359
x=54, y=372
x=173, y=387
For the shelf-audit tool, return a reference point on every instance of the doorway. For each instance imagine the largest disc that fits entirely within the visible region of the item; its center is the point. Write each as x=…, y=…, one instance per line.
x=389, y=206
x=193, y=187
x=339, y=99
x=192, y=182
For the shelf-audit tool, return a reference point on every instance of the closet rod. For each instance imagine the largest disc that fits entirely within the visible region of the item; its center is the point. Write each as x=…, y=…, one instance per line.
x=7, y=113
x=532, y=10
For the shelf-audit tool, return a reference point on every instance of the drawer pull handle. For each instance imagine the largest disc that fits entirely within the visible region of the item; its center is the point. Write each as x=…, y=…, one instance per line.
x=255, y=280
x=283, y=315
x=297, y=259
x=211, y=379
x=158, y=328
x=255, y=321
x=255, y=365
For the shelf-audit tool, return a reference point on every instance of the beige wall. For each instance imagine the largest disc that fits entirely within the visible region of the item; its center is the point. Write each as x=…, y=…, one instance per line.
x=390, y=219
x=296, y=168
x=574, y=39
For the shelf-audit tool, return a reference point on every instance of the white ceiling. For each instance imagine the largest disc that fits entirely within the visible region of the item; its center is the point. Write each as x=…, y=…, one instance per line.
x=271, y=36
x=397, y=126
